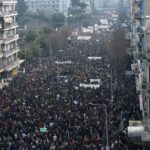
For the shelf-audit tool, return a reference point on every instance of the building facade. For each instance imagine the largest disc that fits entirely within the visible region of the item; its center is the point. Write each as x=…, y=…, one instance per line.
x=9, y=62
x=57, y=5
x=140, y=45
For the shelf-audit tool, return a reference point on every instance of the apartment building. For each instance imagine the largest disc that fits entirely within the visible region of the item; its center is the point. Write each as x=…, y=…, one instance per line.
x=140, y=45
x=89, y=5
x=9, y=62
x=57, y=5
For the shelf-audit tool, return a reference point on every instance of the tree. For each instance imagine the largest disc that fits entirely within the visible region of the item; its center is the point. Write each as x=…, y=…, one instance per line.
x=58, y=20
x=22, y=9
x=77, y=7
x=65, y=33
x=30, y=36
x=47, y=30
x=77, y=12
x=122, y=12
x=117, y=50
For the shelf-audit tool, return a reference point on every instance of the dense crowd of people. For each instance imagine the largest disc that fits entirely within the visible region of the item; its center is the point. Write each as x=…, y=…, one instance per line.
x=48, y=95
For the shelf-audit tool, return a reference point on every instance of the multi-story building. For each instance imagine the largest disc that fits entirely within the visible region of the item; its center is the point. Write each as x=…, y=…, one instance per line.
x=140, y=43
x=9, y=49
x=89, y=5
x=64, y=5
x=56, y=5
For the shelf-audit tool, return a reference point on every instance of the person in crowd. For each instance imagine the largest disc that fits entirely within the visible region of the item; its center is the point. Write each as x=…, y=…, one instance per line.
x=48, y=95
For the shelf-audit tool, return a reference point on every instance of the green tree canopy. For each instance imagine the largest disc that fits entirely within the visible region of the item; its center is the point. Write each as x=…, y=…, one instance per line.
x=58, y=20
x=77, y=7
x=22, y=9
x=30, y=36
x=117, y=49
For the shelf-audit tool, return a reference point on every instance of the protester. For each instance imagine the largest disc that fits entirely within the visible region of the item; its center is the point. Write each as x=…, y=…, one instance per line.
x=48, y=95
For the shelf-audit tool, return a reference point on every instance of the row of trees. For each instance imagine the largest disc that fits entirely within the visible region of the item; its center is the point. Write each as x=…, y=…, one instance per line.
x=47, y=16
x=40, y=35
x=76, y=15
x=41, y=32
x=43, y=42
x=117, y=50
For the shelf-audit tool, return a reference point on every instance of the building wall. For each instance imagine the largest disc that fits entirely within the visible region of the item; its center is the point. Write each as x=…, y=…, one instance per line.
x=9, y=62
x=57, y=5
x=140, y=39
x=88, y=7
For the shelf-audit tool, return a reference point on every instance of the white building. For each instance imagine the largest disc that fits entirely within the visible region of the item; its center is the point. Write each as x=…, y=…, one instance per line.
x=89, y=5
x=64, y=5
x=9, y=62
x=57, y=5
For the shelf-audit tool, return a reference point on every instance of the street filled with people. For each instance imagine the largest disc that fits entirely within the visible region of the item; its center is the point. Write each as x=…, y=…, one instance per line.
x=69, y=93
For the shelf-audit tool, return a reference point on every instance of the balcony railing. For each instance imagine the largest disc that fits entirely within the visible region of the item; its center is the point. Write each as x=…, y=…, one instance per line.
x=131, y=50
x=6, y=39
x=8, y=26
x=1, y=55
x=148, y=30
x=10, y=13
x=147, y=55
x=13, y=64
x=11, y=52
x=8, y=1
x=146, y=123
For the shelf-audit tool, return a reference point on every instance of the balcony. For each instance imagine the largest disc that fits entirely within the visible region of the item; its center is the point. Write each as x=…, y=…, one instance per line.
x=140, y=31
x=1, y=69
x=8, y=14
x=147, y=28
x=1, y=55
x=10, y=26
x=144, y=84
x=147, y=55
x=137, y=15
x=130, y=51
x=137, y=55
x=11, y=52
x=6, y=40
x=13, y=65
x=7, y=1
x=1, y=65
x=134, y=68
x=146, y=134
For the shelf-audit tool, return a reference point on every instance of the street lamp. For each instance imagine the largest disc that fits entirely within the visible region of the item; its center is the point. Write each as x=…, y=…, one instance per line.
x=106, y=121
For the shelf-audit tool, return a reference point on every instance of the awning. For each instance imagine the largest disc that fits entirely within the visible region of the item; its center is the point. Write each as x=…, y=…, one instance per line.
x=8, y=20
